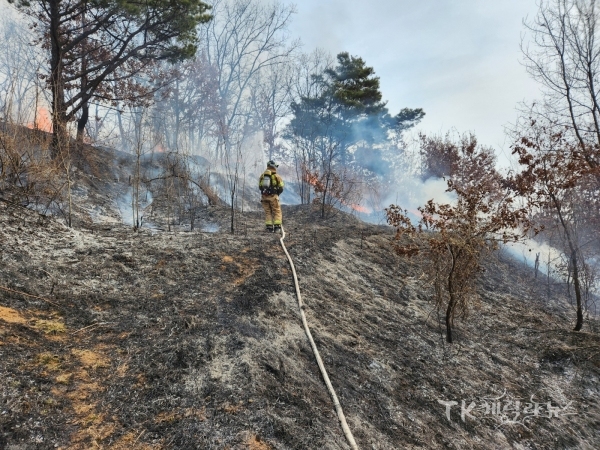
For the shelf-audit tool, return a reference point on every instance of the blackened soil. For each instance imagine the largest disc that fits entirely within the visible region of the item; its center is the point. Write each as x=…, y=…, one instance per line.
x=185, y=340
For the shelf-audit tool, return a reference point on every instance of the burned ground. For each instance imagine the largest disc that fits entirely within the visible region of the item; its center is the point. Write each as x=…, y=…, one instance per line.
x=164, y=340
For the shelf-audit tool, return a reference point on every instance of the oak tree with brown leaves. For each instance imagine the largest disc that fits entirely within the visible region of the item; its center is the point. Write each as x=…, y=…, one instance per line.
x=561, y=189
x=455, y=238
x=439, y=156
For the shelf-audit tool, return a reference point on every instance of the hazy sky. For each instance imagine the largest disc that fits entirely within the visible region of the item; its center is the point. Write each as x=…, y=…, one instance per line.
x=459, y=60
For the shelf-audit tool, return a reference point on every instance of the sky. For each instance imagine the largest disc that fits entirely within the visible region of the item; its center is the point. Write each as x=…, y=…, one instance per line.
x=459, y=60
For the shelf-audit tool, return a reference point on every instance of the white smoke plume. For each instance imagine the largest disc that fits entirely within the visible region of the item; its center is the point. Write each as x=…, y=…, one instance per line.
x=530, y=250
x=408, y=193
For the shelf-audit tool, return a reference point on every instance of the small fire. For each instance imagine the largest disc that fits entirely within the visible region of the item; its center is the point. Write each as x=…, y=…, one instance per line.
x=419, y=215
x=312, y=179
x=315, y=181
x=42, y=121
x=158, y=148
x=360, y=208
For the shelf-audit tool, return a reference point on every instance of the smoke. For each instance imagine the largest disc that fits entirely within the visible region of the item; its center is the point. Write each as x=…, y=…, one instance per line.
x=255, y=157
x=125, y=208
x=408, y=192
x=210, y=228
x=388, y=164
x=289, y=196
x=124, y=203
x=412, y=192
x=241, y=166
x=529, y=251
x=551, y=262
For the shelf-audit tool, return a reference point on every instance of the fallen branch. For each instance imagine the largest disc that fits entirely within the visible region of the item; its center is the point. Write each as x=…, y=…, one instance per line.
x=97, y=324
x=85, y=328
x=29, y=295
x=138, y=438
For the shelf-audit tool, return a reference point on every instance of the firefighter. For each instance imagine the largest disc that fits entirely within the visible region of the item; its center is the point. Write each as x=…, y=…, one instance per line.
x=271, y=186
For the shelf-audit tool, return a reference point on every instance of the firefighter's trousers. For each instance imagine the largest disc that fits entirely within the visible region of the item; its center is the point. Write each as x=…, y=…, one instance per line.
x=272, y=209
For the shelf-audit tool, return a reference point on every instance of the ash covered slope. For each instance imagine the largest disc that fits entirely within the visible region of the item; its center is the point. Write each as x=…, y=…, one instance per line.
x=191, y=340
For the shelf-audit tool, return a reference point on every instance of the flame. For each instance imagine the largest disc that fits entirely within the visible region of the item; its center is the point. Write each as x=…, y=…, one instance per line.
x=158, y=148
x=360, y=208
x=418, y=214
x=312, y=179
x=42, y=121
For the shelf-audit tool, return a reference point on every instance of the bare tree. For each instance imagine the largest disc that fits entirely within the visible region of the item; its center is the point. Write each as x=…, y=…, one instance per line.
x=564, y=56
x=245, y=38
x=245, y=42
x=233, y=163
x=558, y=141
x=304, y=151
x=271, y=98
x=21, y=92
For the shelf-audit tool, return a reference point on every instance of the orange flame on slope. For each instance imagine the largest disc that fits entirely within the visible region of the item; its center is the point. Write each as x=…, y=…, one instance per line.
x=360, y=208
x=312, y=179
x=42, y=121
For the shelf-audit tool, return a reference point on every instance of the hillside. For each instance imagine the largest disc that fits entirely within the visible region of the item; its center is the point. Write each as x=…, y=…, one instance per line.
x=185, y=340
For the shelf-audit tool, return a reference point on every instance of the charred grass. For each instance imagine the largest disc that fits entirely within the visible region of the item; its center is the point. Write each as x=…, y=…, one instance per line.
x=158, y=340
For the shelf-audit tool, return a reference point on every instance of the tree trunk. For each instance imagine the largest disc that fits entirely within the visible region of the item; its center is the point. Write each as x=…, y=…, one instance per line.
x=60, y=137
x=121, y=129
x=69, y=220
x=577, y=286
x=136, y=188
x=232, y=211
x=85, y=107
x=449, y=313
x=326, y=190
x=452, y=302
x=323, y=199
x=574, y=262
x=82, y=122
x=59, y=110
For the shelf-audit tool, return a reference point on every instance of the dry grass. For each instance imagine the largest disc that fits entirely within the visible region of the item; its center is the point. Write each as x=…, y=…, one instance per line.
x=10, y=315
x=50, y=326
x=91, y=359
x=255, y=443
x=49, y=361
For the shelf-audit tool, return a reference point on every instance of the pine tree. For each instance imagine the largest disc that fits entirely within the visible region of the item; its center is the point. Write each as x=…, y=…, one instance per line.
x=97, y=48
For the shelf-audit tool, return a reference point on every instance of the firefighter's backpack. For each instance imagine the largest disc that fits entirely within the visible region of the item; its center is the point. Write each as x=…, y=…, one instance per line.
x=268, y=183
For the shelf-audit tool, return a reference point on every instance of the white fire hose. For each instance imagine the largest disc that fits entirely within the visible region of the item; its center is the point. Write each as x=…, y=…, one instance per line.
x=334, y=397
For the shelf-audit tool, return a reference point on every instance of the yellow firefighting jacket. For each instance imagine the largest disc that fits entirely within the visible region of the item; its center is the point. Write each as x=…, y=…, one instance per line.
x=275, y=183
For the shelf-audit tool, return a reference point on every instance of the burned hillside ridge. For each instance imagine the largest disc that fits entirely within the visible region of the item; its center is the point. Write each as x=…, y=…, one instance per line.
x=193, y=340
